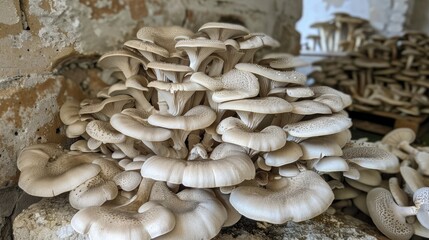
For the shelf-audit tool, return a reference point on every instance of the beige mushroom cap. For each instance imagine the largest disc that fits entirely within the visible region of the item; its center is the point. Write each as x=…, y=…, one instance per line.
x=289, y=153
x=309, y=107
x=372, y=158
x=398, y=135
x=386, y=215
x=275, y=75
x=266, y=105
x=163, y=36
x=315, y=148
x=223, y=31
x=102, y=223
x=294, y=199
x=69, y=112
x=313, y=127
x=237, y=85
x=47, y=170
x=104, y=132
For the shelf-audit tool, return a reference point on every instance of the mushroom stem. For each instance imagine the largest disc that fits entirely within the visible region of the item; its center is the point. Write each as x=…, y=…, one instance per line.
x=405, y=146
x=407, y=211
x=141, y=197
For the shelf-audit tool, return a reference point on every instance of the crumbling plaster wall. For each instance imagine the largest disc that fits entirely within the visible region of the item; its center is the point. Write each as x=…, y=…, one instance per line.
x=48, y=51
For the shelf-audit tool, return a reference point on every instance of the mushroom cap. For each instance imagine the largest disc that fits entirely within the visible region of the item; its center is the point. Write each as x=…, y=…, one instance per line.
x=398, y=135
x=313, y=127
x=69, y=112
x=314, y=148
x=383, y=211
x=206, y=81
x=223, y=31
x=222, y=169
x=164, y=36
x=147, y=47
x=400, y=196
x=412, y=178
x=47, y=170
x=289, y=153
x=234, y=131
x=97, y=107
x=423, y=215
x=104, y=132
x=93, y=192
x=309, y=107
x=140, y=130
x=237, y=85
x=169, y=67
x=320, y=90
x=265, y=105
x=198, y=117
x=128, y=180
x=294, y=199
x=200, y=43
x=198, y=213
x=372, y=158
x=114, y=223
x=272, y=74
x=331, y=164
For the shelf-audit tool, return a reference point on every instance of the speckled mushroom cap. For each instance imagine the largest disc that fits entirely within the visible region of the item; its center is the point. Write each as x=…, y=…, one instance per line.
x=310, y=107
x=372, y=158
x=266, y=105
x=237, y=85
x=385, y=214
x=198, y=213
x=221, y=169
x=313, y=127
x=288, y=199
x=102, y=223
x=47, y=170
x=275, y=75
x=104, y=132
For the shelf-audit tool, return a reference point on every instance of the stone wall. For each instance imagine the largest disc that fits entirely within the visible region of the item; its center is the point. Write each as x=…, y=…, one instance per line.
x=48, y=51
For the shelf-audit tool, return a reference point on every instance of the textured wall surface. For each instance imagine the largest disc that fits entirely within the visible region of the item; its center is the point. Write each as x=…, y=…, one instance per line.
x=48, y=51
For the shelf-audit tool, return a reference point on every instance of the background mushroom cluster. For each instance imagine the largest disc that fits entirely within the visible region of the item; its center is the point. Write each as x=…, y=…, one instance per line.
x=195, y=131
x=386, y=74
x=342, y=33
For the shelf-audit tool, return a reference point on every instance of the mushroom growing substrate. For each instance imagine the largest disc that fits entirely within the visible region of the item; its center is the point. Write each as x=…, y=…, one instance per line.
x=196, y=130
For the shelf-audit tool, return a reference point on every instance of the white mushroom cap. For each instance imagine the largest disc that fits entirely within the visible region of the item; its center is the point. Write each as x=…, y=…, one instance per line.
x=295, y=199
x=412, y=178
x=235, y=131
x=309, y=107
x=393, y=138
x=313, y=127
x=163, y=36
x=400, y=196
x=346, y=193
x=275, y=75
x=289, y=153
x=140, y=130
x=104, y=132
x=128, y=180
x=198, y=213
x=223, y=31
x=47, y=171
x=198, y=117
x=331, y=164
x=226, y=169
x=314, y=148
x=93, y=192
x=320, y=90
x=266, y=105
x=387, y=216
x=208, y=82
x=102, y=223
x=372, y=158
x=237, y=85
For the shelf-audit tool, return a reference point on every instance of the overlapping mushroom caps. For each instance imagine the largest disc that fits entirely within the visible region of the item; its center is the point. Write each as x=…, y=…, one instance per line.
x=186, y=112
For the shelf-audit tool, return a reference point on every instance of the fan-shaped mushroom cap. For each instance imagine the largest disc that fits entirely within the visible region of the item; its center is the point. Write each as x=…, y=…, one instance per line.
x=346, y=193
x=369, y=177
x=223, y=31
x=398, y=135
x=314, y=148
x=69, y=112
x=198, y=117
x=104, y=132
x=222, y=169
x=76, y=129
x=333, y=101
x=386, y=215
x=289, y=153
x=147, y=47
x=102, y=223
x=138, y=129
x=206, y=81
x=309, y=107
x=289, y=170
x=331, y=164
x=126, y=61
x=185, y=86
x=266, y=105
x=47, y=170
x=237, y=85
x=93, y=192
x=297, y=199
x=313, y=127
x=372, y=158
x=198, y=213
x=235, y=131
x=401, y=198
x=98, y=107
x=128, y=180
x=320, y=90
x=275, y=75
x=163, y=36
x=412, y=178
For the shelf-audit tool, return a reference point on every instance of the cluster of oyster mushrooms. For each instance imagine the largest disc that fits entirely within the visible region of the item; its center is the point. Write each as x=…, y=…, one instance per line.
x=386, y=74
x=194, y=132
x=343, y=33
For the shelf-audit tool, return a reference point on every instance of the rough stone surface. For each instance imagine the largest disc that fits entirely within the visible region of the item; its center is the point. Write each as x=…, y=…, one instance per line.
x=29, y=109
x=49, y=219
